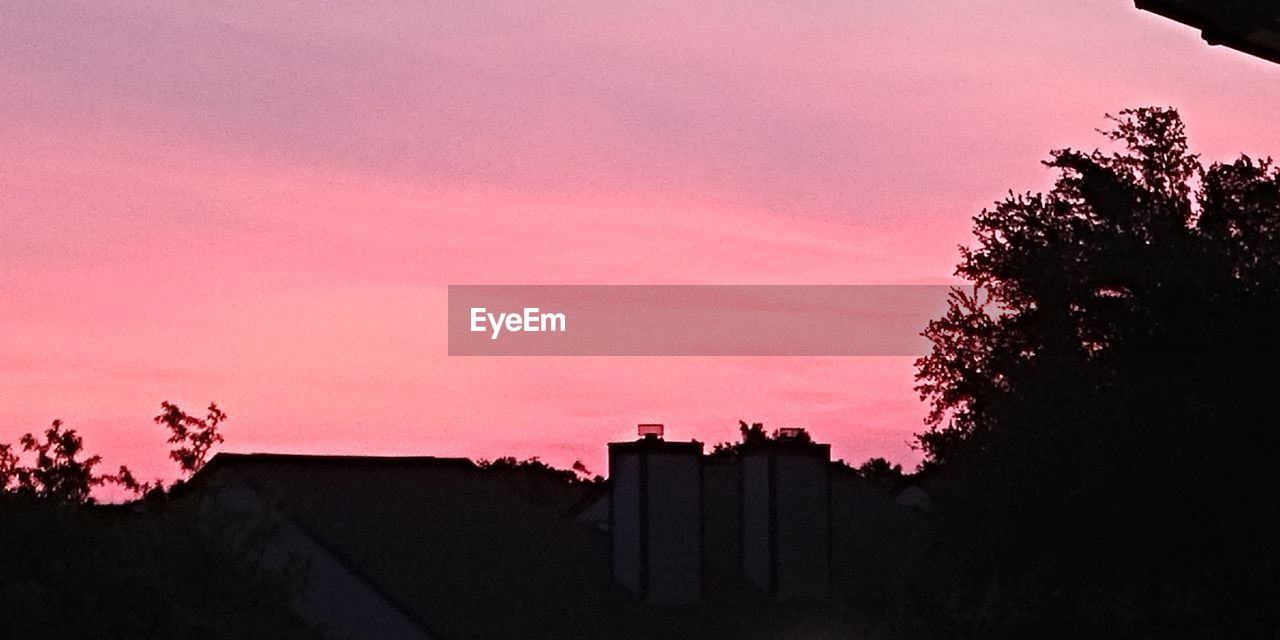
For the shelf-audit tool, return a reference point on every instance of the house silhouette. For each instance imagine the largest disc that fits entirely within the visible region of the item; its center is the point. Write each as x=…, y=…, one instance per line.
x=424, y=547
x=1250, y=26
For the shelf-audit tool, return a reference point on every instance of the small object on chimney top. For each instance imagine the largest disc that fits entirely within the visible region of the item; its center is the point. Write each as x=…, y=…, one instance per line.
x=650, y=431
x=791, y=433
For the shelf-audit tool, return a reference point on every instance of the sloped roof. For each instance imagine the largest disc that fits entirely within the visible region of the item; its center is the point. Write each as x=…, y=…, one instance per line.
x=474, y=553
x=1251, y=26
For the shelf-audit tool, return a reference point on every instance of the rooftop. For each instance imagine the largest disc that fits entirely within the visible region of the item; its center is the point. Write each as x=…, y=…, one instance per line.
x=1250, y=26
x=468, y=552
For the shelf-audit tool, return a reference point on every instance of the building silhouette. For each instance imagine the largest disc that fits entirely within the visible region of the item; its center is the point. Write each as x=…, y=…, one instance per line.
x=1251, y=26
x=774, y=539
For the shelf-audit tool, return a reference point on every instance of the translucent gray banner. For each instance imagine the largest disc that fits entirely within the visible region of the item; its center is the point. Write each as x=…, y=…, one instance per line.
x=692, y=320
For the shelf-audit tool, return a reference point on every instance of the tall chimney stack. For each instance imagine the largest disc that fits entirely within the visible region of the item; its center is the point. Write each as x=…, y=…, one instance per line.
x=786, y=535
x=656, y=516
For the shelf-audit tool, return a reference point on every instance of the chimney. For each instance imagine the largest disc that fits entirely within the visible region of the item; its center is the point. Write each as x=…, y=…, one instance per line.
x=656, y=516
x=786, y=535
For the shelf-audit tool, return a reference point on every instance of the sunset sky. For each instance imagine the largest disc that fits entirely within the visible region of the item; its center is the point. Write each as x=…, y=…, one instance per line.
x=262, y=203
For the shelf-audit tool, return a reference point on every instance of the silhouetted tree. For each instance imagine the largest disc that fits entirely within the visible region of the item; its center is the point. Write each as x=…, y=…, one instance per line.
x=58, y=472
x=9, y=465
x=538, y=482
x=536, y=467
x=162, y=568
x=882, y=471
x=195, y=436
x=751, y=435
x=1102, y=399
x=585, y=474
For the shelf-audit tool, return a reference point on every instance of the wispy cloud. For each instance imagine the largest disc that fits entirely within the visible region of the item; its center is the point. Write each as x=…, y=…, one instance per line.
x=261, y=203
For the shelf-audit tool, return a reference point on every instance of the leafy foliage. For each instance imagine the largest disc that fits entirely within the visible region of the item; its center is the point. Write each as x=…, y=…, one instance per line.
x=58, y=474
x=752, y=435
x=159, y=568
x=1101, y=399
x=194, y=436
x=536, y=467
x=882, y=471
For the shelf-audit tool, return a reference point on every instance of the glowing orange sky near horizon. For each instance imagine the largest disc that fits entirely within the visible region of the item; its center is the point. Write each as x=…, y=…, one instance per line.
x=262, y=203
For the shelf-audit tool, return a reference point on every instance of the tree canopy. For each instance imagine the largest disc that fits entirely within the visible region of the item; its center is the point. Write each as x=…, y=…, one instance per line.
x=159, y=568
x=1102, y=398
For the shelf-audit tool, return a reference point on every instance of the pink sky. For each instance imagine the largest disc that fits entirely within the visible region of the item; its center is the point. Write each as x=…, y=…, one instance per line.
x=262, y=203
